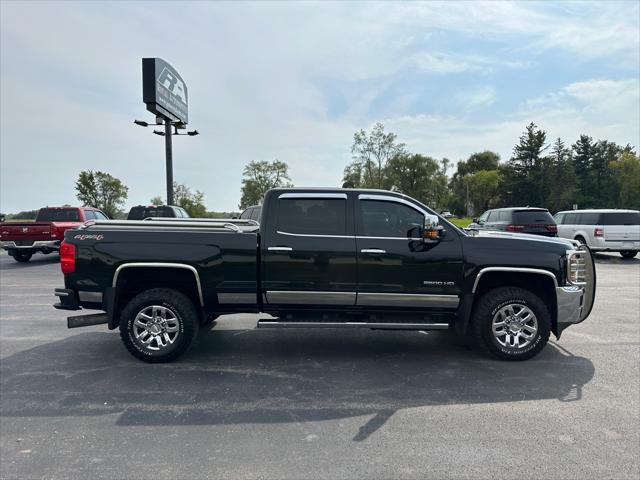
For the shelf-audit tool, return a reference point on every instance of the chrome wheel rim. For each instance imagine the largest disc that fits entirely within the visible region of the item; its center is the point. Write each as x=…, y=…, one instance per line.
x=155, y=328
x=514, y=326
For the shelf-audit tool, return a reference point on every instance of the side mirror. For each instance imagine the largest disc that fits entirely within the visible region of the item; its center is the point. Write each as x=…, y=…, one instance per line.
x=432, y=232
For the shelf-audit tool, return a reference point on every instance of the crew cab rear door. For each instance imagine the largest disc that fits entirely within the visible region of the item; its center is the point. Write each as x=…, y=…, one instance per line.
x=396, y=269
x=308, y=251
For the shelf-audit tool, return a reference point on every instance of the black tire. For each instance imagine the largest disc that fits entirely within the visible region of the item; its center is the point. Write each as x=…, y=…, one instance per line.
x=489, y=306
x=581, y=240
x=628, y=253
x=185, y=323
x=22, y=257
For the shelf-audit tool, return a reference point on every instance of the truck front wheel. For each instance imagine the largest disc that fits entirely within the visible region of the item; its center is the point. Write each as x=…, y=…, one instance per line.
x=159, y=325
x=511, y=323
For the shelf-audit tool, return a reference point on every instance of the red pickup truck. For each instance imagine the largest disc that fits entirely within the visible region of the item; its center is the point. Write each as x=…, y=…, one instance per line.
x=22, y=240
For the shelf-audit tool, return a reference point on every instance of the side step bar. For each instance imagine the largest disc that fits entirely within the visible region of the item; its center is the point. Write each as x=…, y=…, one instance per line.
x=378, y=325
x=87, y=320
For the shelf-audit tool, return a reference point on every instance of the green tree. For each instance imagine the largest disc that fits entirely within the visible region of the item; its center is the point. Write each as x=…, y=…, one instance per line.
x=484, y=189
x=605, y=153
x=562, y=181
x=261, y=176
x=157, y=200
x=525, y=179
x=193, y=203
x=371, y=152
x=626, y=174
x=101, y=190
x=418, y=176
x=479, y=161
x=583, y=152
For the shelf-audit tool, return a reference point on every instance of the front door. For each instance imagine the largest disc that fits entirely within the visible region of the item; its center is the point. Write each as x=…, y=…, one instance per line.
x=395, y=268
x=308, y=254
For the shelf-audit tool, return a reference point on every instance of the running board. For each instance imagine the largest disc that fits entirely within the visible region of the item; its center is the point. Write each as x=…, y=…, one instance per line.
x=87, y=320
x=377, y=325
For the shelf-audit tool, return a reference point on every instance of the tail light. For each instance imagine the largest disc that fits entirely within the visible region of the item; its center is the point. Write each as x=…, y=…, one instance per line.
x=515, y=228
x=598, y=232
x=67, y=257
x=57, y=232
x=552, y=228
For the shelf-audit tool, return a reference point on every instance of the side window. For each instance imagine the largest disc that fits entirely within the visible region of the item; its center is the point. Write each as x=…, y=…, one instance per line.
x=491, y=216
x=255, y=214
x=89, y=215
x=501, y=216
x=246, y=214
x=312, y=216
x=483, y=218
x=589, y=218
x=184, y=213
x=559, y=217
x=99, y=215
x=569, y=219
x=388, y=219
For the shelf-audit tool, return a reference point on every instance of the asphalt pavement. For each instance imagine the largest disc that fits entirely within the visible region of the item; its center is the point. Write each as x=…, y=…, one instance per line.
x=333, y=404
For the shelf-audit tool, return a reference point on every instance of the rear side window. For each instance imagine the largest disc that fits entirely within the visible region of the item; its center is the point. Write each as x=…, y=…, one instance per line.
x=311, y=216
x=528, y=217
x=58, y=215
x=621, y=218
x=588, y=218
x=140, y=213
x=388, y=219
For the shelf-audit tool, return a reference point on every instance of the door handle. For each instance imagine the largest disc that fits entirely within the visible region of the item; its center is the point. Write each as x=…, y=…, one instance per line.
x=279, y=249
x=376, y=251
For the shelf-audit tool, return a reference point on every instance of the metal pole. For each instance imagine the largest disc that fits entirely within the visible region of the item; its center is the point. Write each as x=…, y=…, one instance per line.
x=169, y=153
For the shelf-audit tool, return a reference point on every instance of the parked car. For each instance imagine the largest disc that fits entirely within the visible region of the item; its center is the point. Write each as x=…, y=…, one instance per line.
x=252, y=213
x=533, y=220
x=22, y=239
x=447, y=214
x=151, y=211
x=602, y=230
x=326, y=258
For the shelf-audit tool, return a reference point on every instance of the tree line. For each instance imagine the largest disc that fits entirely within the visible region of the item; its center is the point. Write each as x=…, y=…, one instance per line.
x=588, y=174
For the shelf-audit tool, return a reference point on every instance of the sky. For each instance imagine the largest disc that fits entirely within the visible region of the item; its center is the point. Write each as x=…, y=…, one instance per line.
x=294, y=81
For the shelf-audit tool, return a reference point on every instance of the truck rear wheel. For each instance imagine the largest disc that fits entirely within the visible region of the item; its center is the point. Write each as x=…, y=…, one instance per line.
x=628, y=253
x=22, y=257
x=159, y=325
x=511, y=323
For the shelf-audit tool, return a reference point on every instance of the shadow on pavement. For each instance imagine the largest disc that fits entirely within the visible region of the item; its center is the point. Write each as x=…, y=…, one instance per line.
x=616, y=259
x=258, y=376
x=8, y=263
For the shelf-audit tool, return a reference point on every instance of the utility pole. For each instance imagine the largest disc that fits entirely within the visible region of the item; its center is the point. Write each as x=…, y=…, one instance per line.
x=169, y=160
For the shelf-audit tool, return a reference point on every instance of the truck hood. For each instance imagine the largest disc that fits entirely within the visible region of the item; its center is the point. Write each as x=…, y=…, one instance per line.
x=570, y=244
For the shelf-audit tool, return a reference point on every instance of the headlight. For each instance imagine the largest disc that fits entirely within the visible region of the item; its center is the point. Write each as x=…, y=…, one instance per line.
x=576, y=268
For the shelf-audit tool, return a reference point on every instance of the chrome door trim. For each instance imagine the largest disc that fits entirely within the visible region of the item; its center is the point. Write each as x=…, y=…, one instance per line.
x=224, y=298
x=377, y=325
x=313, y=235
x=513, y=269
x=376, y=251
x=310, y=297
x=426, y=300
x=114, y=283
x=279, y=249
x=342, y=196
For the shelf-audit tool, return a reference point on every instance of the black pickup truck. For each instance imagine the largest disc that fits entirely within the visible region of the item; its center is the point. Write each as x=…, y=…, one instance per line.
x=327, y=258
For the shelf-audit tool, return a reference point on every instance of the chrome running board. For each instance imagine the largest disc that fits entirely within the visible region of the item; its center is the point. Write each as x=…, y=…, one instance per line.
x=378, y=325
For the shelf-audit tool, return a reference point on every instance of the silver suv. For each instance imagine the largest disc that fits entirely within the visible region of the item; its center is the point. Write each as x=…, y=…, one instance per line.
x=602, y=230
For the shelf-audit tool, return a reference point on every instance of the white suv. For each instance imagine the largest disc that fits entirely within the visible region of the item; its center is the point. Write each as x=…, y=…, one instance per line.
x=602, y=230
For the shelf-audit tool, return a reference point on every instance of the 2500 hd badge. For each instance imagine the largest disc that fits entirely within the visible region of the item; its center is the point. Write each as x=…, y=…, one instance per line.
x=329, y=258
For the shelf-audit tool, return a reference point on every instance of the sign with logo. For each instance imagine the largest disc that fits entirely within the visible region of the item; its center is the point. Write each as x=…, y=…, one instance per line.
x=164, y=91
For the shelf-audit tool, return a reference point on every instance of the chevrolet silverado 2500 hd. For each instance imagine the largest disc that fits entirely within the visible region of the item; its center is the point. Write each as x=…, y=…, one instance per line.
x=325, y=258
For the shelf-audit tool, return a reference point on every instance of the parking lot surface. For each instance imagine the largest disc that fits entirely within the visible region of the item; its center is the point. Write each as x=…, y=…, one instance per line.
x=248, y=403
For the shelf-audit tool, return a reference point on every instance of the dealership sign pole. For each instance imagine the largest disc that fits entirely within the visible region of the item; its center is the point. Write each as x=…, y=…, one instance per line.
x=165, y=95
